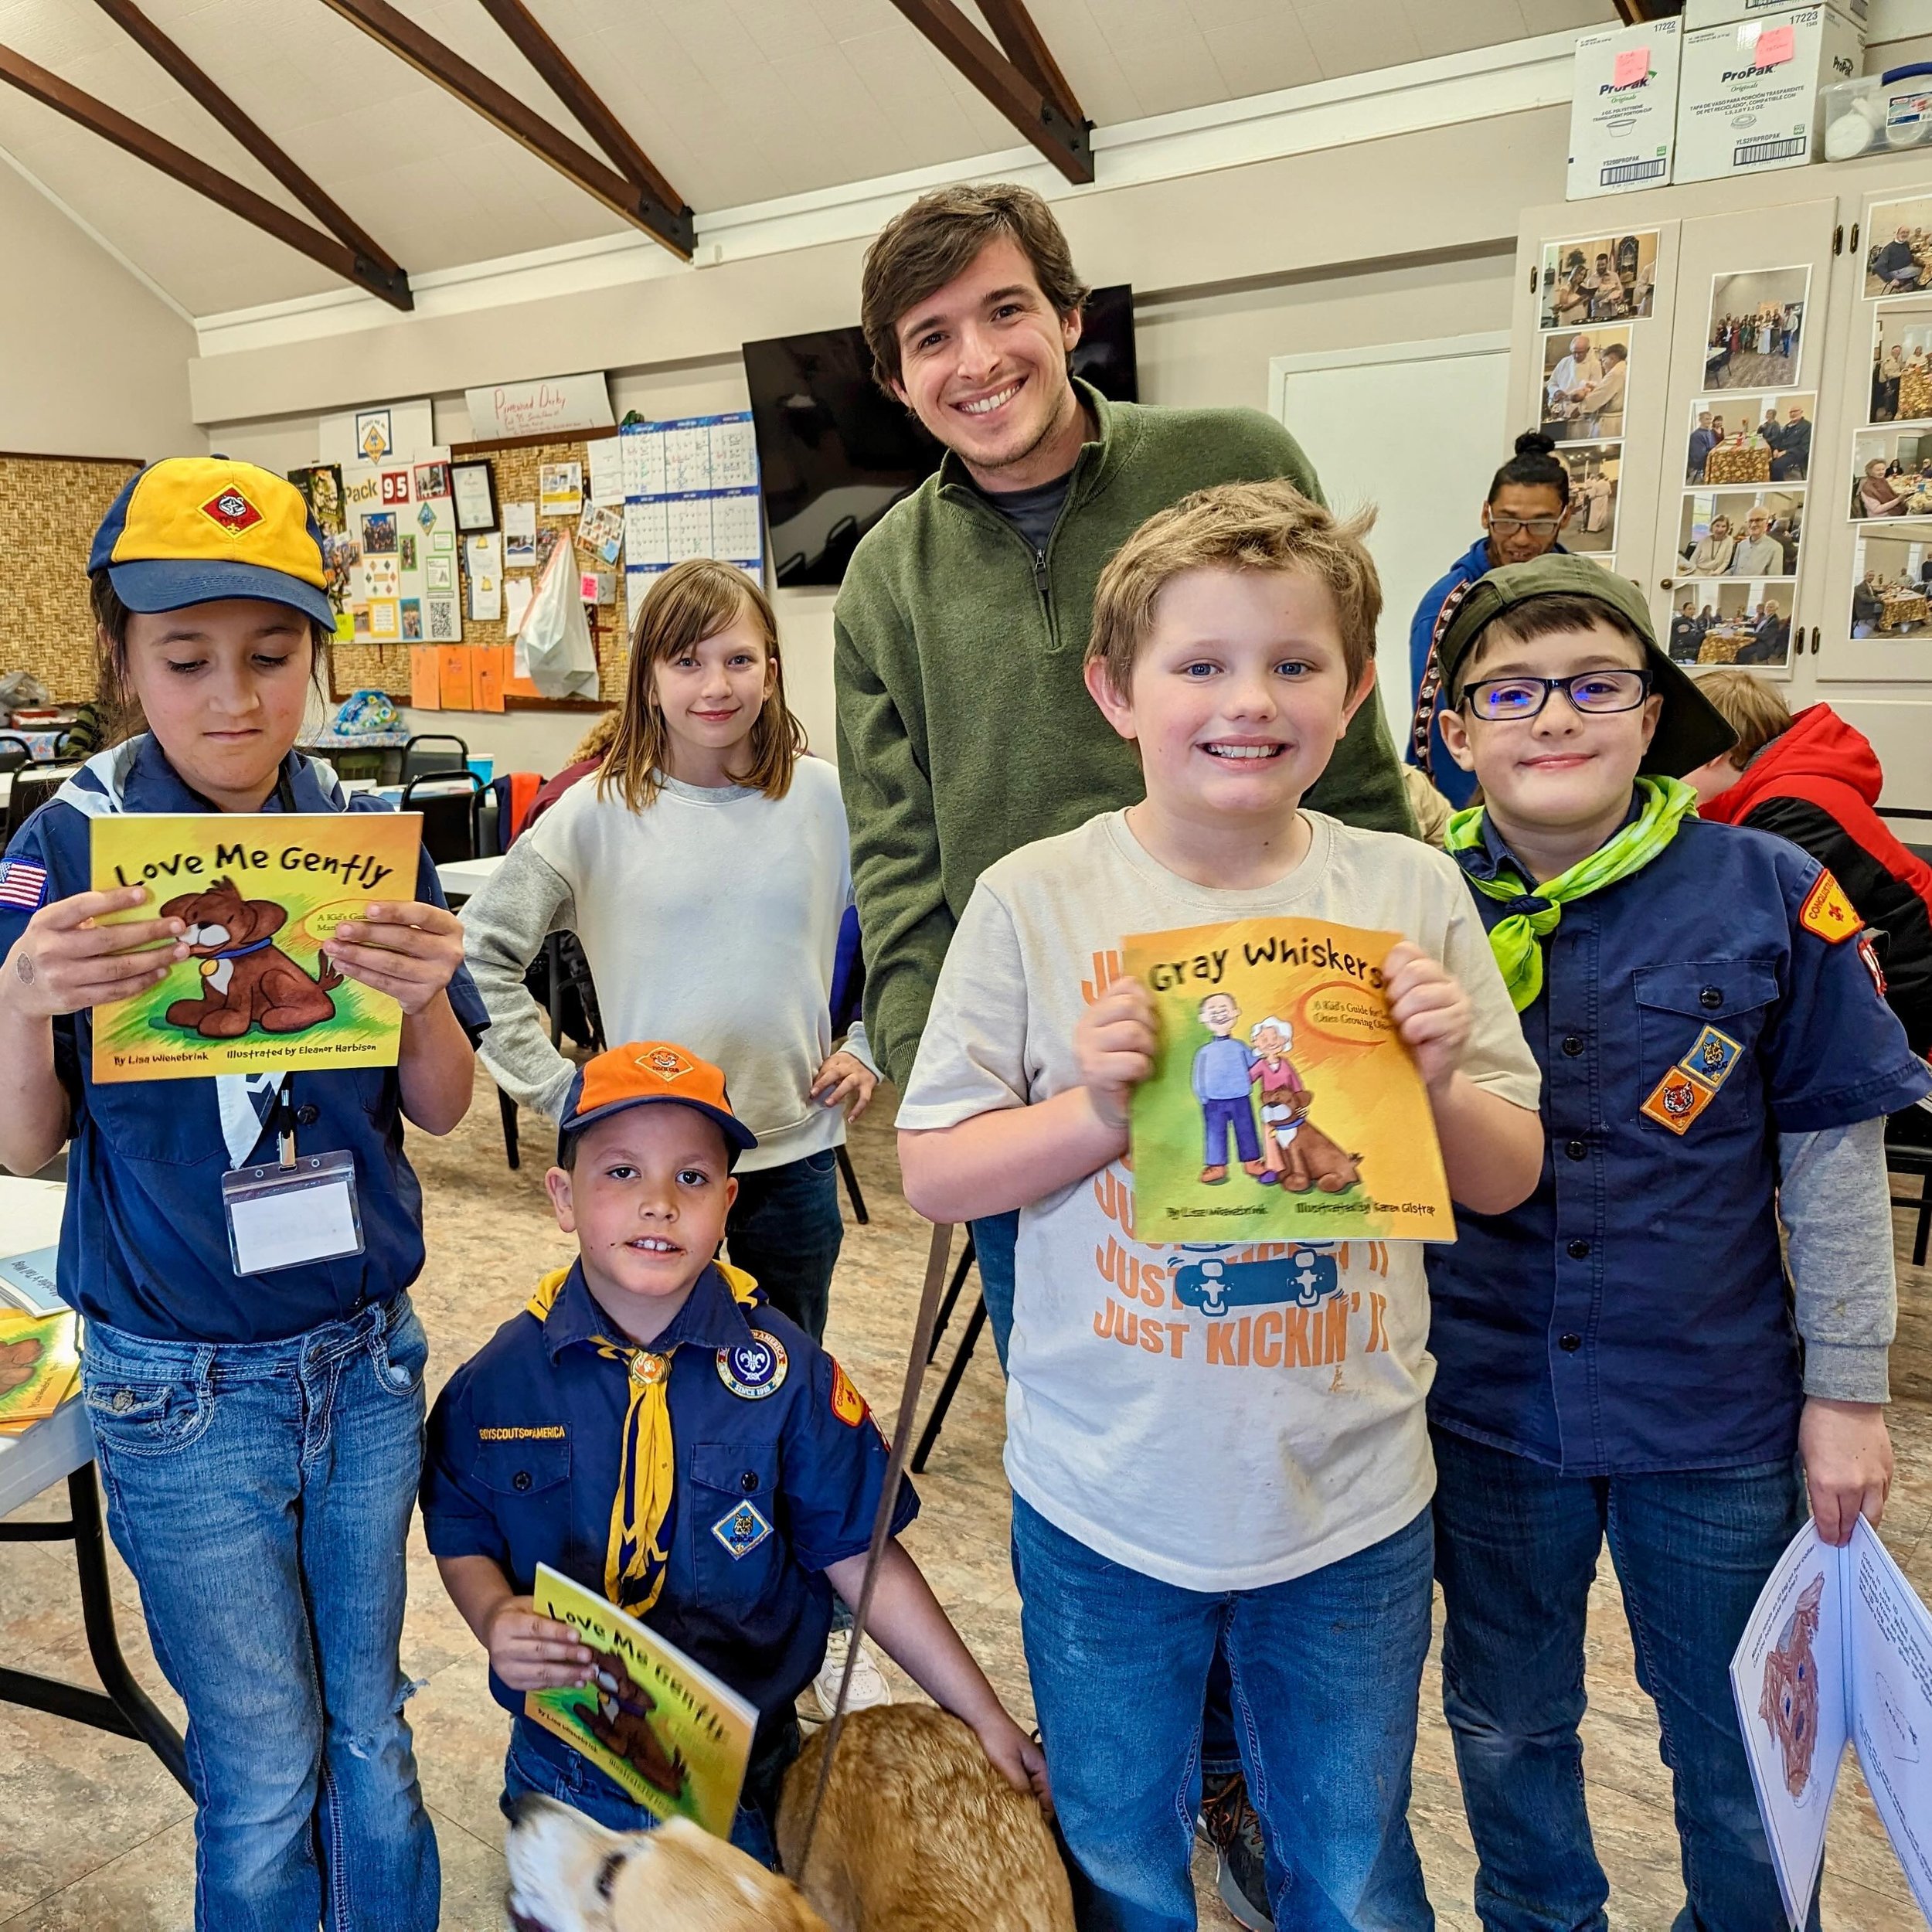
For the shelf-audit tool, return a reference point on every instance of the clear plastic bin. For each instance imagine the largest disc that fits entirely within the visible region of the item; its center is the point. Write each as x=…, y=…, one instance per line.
x=1879, y=114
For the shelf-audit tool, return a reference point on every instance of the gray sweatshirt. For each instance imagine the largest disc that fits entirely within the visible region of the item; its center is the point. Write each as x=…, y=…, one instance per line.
x=1835, y=1202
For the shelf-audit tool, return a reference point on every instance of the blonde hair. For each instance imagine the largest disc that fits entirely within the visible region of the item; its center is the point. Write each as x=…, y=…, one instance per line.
x=597, y=741
x=1755, y=710
x=1236, y=526
x=693, y=600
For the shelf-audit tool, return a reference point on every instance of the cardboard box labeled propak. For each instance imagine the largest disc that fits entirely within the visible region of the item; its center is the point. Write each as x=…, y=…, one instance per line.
x=1622, y=109
x=1700, y=14
x=1749, y=98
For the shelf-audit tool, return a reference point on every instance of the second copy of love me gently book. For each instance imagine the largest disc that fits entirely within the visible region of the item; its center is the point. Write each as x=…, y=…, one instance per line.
x=258, y=893
x=660, y=1726
x=1282, y=1103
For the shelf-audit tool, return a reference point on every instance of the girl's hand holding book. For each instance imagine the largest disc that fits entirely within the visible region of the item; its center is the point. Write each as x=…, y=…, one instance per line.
x=64, y=963
x=409, y=950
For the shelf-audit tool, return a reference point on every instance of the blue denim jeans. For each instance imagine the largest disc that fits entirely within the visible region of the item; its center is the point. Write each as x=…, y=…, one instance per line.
x=784, y=1230
x=260, y=1493
x=1516, y=1548
x=994, y=1237
x=534, y=1763
x=1326, y=1672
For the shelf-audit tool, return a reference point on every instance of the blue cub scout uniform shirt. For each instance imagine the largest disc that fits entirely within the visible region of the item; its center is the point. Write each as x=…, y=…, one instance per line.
x=1632, y=1314
x=143, y=1240
x=523, y=1466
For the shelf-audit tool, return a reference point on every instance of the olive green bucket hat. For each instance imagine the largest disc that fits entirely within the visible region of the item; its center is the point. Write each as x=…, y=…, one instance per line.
x=1690, y=730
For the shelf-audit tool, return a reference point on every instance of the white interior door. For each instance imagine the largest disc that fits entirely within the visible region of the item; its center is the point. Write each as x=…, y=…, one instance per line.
x=1416, y=429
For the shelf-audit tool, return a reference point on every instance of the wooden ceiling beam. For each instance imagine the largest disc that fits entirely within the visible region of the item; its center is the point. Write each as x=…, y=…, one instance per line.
x=670, y=225
x=191, y=171
x=562, y=78
x=1027, y=47
x=1061, y=137
x=196, y=83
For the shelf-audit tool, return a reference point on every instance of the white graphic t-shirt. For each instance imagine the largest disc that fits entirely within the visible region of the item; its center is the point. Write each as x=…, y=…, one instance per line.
x=1218, y=1417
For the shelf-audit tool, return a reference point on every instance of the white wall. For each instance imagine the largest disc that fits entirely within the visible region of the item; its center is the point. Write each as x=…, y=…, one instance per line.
x=91, y=361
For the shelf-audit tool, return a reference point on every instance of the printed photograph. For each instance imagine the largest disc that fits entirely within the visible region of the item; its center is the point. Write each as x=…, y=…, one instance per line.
x=1902, y=362
x=412, y=621
x=1755, y=337
x=1604, y=278
x=1731, y=621
x=1898, y=247
x=432, y=479
x=1584, y=372
x=379, y=533
x=1891, y=475
x=406, y=549
x=1740, y=533
x=1593, y=468
x=1750, y=439
x=1891, y=584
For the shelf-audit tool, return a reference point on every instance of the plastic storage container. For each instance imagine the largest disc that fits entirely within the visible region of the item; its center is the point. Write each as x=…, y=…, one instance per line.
x=1876, y=114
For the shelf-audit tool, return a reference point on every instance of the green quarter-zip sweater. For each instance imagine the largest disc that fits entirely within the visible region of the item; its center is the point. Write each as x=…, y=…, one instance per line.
x=965, y=729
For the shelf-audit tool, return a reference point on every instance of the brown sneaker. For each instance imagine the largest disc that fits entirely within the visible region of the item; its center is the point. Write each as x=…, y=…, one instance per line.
x=1212, y=1174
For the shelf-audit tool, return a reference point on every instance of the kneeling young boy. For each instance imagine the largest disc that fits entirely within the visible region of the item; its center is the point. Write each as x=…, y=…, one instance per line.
x=1618, y=1355
x=647, y=1427
x=1168, y=1501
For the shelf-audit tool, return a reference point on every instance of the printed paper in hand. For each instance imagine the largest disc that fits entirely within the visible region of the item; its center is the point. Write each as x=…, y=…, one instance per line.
x=1282, y=1103
x=258, y=895
x=1838, y=1646
x=668, y=1732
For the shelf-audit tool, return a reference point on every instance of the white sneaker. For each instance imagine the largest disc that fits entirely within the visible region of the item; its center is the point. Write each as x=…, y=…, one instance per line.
x=869, y=1684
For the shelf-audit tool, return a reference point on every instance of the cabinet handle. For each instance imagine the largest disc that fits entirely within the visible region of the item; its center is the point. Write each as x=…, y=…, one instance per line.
x=1667, y=583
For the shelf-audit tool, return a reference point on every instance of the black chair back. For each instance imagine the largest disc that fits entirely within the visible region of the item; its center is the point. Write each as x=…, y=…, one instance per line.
x=15, y=752
x=439, y=751
x=451, y=803
x=31, y=791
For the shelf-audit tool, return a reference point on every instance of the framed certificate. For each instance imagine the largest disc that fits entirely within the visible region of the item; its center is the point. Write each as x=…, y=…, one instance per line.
x=473, y=486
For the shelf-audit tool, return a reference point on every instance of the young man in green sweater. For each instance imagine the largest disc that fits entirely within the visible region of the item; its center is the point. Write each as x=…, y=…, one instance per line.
x=965, y=729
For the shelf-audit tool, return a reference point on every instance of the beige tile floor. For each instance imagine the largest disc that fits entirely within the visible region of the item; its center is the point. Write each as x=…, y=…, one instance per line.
x=94, y=1834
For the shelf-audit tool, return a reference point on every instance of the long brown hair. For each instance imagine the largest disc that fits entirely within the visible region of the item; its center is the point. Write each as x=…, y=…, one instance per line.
x=693, y=600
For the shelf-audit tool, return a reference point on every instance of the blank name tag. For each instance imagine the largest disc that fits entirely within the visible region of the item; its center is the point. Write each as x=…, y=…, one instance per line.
x=284, y=1217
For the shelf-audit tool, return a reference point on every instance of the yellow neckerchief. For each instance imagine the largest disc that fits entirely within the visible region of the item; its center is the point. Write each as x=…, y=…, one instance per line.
x=635, y=1557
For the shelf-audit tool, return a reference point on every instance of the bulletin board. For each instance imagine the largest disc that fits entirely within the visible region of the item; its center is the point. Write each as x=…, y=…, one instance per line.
x=49, y=509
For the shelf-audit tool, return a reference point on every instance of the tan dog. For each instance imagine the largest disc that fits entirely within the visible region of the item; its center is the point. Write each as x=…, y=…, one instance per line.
x=246, y=980
x=919, y=1833
x=568, y=1874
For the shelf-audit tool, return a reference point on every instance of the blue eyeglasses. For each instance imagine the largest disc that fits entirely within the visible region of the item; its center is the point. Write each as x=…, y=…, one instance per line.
x=1502, y=699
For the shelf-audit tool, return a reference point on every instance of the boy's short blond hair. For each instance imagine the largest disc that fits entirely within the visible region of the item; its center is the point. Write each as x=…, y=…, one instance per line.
x=1755, y=710
x=1237, y=526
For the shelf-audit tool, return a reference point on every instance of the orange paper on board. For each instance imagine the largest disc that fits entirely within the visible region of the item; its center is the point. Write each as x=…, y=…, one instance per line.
x=425, y=681
x=492, y=665
x=458, y=677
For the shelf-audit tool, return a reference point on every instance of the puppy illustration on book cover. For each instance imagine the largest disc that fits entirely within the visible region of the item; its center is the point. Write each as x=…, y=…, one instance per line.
x=246, y=979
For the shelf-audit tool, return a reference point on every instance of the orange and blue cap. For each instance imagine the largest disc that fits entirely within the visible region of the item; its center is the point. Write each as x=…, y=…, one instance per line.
x=645, y=1073
x=194, y=529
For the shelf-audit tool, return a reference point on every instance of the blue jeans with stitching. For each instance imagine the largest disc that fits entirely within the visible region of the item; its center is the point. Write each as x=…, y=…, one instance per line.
x=1326, y=1671
x=261, y=1494
x=784, y=1230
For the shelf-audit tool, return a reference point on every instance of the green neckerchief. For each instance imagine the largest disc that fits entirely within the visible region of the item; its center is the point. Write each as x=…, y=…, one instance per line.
x=1514, y=940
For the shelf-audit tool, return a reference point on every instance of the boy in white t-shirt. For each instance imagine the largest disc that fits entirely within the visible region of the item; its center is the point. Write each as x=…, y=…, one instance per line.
x=1169, y=1497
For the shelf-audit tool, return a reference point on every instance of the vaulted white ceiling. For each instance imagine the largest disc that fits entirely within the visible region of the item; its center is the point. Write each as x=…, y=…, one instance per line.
x=735, y=101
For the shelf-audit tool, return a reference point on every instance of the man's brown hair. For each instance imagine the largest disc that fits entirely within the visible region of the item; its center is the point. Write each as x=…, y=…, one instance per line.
x=1752, y=709
x=693, y=600
x=1237, y=526
x=917, y=252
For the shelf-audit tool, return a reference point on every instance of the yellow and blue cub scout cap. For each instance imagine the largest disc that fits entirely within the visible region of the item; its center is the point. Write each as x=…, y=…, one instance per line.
x=643, y=1073
x=194, y=529
x=1691, y=731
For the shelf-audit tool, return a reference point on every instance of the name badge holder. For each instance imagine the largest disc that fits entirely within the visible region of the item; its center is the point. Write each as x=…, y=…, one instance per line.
x=297, y=1210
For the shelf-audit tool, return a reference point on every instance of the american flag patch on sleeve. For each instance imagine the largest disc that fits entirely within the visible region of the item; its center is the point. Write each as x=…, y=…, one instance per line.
x=22, y=884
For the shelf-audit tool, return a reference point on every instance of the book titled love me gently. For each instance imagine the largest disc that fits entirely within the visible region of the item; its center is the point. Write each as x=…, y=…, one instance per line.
x=258, y=893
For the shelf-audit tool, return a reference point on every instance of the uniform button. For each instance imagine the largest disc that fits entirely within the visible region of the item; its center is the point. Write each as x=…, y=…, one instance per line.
x=307, y=1114
x=1569, y=1344
x=1710, y=999
x=1578, y=1249
x=1577, y=1149
x=748, y=1482
x=522, y=1479
x=1572, y=1044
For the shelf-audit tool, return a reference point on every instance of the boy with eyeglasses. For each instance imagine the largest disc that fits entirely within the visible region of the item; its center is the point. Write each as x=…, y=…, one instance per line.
x=1623, y=1355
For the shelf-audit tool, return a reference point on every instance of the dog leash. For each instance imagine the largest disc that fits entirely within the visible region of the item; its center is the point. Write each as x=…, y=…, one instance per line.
x=897, y=1455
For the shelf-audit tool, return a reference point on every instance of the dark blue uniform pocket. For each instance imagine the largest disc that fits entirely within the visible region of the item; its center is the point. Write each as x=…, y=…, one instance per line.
x=520, y=1465
x=731, y=1489
x=1706, y=1016
x=175, y=1122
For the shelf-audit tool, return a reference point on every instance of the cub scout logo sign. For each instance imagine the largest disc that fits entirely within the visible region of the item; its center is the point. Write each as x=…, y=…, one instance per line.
x=1827, y=913
x=847, y=1403
x=755, y=1368
x=1677, y=1100
x=666, y=1063
x=232, y=510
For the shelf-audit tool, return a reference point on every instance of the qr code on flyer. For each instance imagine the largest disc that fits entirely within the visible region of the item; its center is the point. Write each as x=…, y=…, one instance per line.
x=443, y=627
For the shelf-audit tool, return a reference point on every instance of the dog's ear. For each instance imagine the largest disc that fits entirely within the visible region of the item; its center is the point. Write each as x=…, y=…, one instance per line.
x=265, y=916
x=178, y=908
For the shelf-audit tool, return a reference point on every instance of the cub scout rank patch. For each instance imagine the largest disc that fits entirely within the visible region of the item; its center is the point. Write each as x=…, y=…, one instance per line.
x=1712, y=1057
x=847, y=1403
x=1677, y=1100
x=755, y=1368
x=231, y=511
x=1827, y=913
x=741, y=1530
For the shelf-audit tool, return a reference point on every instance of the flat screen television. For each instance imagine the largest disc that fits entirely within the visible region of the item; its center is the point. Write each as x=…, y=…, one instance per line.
x=835, y=453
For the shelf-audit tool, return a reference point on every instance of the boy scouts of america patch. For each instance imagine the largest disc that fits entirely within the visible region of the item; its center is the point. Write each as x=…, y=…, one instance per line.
x=755, y=1368
x=847, y=1403
x=231, y=511
x=1827, y=913
x=741, y=1530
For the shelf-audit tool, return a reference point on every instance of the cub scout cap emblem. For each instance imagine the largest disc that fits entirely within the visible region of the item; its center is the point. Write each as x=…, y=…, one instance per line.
x=741, y=1530
x=641, y=1072
x=231, y=511
x=755, y=1368
x=666, y=1062
x=1827, y=913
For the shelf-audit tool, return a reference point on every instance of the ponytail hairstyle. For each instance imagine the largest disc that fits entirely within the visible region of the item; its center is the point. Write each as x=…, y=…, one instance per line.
x=691, y=601
x=1533, y=466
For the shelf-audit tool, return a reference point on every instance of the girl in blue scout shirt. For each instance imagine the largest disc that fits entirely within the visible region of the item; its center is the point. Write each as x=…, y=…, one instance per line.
x=1622, y=1355
x=259, y=1437
x=647, y=1427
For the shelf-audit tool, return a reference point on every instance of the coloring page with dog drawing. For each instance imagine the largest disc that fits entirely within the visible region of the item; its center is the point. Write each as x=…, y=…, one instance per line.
x=664, y=1728
x=1282, y=1103
x=258, y=894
